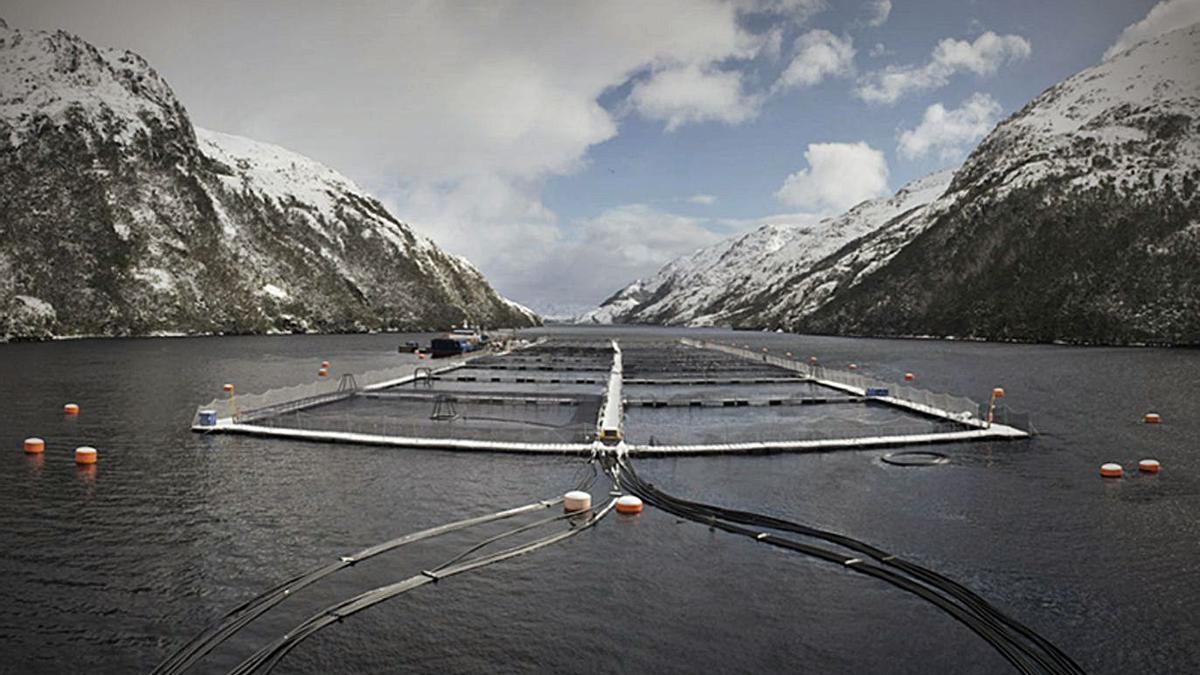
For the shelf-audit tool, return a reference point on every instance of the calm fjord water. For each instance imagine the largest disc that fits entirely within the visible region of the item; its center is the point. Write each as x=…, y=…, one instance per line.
x=108, y=569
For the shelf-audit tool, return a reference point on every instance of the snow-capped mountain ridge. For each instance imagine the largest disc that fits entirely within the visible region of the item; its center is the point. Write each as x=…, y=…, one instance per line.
x=712, y=285
x=128, y=220
x=115, y=91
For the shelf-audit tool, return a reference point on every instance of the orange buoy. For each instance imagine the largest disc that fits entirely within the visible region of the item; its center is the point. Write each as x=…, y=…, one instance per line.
x=1149, y=466
x=34, y=446
x=322, y=373
x=908, y=377
x=228, y=388
x=1152, y=418
x=577, y=500
x=71, y=409
x=85, y=455
x=1111, y=470
x=629, y=504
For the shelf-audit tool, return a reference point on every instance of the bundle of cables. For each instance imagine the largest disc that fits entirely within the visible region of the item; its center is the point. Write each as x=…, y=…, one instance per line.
x=239, y=617
x=1027, y=651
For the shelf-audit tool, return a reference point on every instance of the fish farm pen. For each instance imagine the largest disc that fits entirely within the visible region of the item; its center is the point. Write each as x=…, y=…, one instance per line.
x=610, y=402
x=656, y=396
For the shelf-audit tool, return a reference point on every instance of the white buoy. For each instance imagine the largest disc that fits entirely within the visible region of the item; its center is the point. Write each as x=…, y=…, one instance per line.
x=629, y=504
x=577, y=500
x=1111, y=470
x=1149, y=466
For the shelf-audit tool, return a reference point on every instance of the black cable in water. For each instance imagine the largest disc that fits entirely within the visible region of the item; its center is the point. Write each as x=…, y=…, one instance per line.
x=238, y=617
x=1000, y=631
x=964, y=595
x=268, y=657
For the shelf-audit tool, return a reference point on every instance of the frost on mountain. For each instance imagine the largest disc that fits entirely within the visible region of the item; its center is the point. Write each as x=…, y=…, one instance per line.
x=725, y=283
x=118, y=218
x=1076, y=219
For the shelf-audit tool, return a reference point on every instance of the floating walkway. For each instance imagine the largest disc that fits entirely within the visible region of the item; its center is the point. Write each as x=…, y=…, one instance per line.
x=652, y=402
x=960, y=417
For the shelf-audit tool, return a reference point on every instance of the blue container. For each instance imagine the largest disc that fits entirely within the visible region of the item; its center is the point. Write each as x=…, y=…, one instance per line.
x=877, y=391
x=208, y=418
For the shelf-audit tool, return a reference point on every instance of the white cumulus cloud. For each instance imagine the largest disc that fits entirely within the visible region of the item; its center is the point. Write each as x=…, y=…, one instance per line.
x=818, y=54
x=456, y=114
x=983, y=56
x=702, y=199
x=1164, y=17
x=839, y=175
x=949, y=132
x=878, y=11
x=633, y=241
x=794, y=11
x=694, y=94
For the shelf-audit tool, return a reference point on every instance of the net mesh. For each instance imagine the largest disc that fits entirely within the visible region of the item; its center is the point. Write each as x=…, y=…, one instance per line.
x=958, y=407
x=252, y=407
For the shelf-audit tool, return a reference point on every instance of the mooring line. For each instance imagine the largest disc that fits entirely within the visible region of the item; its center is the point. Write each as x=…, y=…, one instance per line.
x=243, y=614
x=1026, y=650
x=268, y=657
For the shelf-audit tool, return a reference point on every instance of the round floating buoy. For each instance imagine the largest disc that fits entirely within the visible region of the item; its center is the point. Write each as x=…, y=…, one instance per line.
x=85, y=455
x=322, y=373
x=228, y=389
x=1149, y=466
x=34, y=446
x=908, y=377
x=324, y=364
x=1111, y=470
x=577, y=500
x=1152, y=418
x=853, y=366
x=71, y=409
x=629, y=504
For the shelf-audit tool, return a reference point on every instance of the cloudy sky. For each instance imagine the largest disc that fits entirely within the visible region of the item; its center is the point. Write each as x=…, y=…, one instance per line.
x=567, y=148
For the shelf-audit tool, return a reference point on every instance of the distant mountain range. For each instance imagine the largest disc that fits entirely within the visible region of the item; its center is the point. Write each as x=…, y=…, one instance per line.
x=1076, y=219
x=783, y=263
x=118, y=217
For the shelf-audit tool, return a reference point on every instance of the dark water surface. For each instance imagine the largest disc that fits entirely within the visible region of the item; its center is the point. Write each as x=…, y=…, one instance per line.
x=108, y=569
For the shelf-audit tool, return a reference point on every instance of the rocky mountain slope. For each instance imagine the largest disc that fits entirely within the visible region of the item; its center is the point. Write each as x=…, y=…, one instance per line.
x=1076, y=219
x=117, y=217
x=717, y=285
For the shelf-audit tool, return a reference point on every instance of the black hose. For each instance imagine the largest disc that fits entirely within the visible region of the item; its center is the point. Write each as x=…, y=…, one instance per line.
x=268, y=657
x=946, y=585
x=1000, y=631
x=238, y=617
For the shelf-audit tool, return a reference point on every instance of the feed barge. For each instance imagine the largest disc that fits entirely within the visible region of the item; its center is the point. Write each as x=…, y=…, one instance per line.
x=457, y=342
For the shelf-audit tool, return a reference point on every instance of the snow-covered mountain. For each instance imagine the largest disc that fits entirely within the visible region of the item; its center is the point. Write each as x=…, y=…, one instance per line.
x=117, y=217
x=1076, y=219
x=715, y=285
